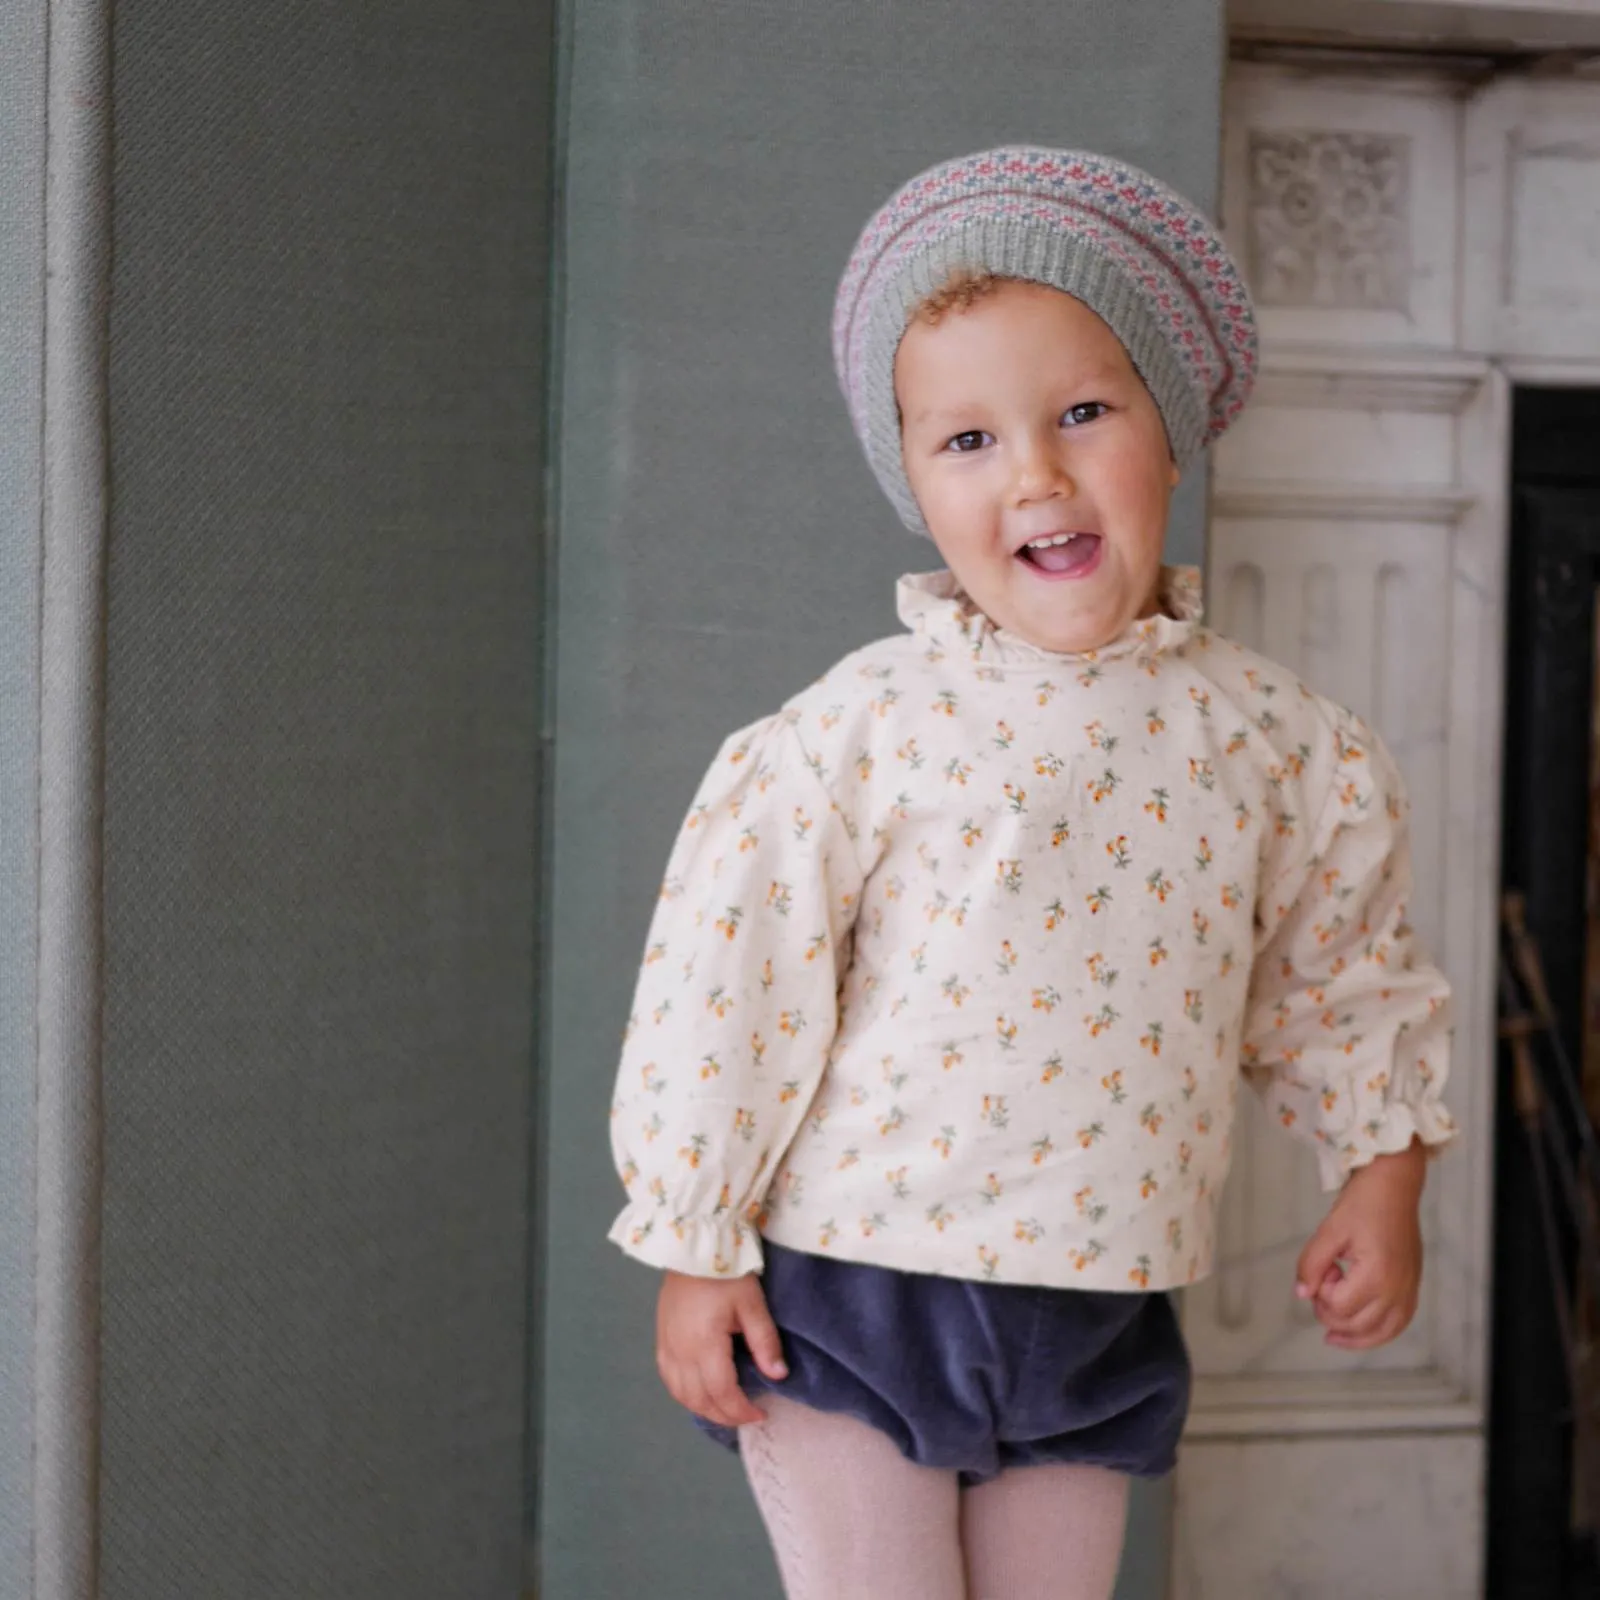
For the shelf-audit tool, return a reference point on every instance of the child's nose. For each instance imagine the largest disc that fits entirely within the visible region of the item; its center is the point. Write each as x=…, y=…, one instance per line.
x=1042, y=474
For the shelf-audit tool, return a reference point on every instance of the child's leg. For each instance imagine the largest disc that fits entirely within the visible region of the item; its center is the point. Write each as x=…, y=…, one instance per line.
x=1051, y=1532
x=849, y=1517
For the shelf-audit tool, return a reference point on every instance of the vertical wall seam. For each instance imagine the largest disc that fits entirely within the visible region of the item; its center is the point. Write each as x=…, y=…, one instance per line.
x=71, y=800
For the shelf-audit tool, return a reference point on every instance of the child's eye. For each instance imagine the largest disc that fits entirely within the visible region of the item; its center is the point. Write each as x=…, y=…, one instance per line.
x=1074, y=416
x=965, y=443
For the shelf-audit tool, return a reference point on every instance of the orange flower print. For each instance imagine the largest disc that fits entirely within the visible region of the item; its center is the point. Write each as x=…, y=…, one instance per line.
x=744, y=1123
x=1175, y=1235
x=992, y=1189
x=1140, y=1274
x=1156, y=805
x=1047, y=998
x=1117, y=849
x=1099, y=739
x=1202, y=1124
x=1159, y=884
x=944, y=1141
x=1103, y=787
x=802, y=823
x=1283, y=824
x=1148, y=1185
x=1100, y=974
x=1090, y=676
x=1091, y=1134
x=1028, y=1230
x=1006, y=1032
x=919, y=958
x=758, y=1049
x=1189, y=1084
x=653, y=1128
x=989, y=1260
x=1112, y=1084
x=957, y=771
x=910, y=754
x=950, y=1056
x=1099, y=900
x=1193, y=1006
x=1202, y=701
x=872, y=1224
x=828, y=1234
x=791, y=1022
x=1003, y=735
x=954, y=990
x=1202, y=925
x=1060, y=832
x=710, y=1067
x=1007, y=961
x=1090, y=1253
x=896, y=1180
x=940, y=1215
x=1158, y=951
x=1088, y=1206
x=1054, y=913
x=891, y=1120
x=945, y=703
x=780, y=897
x=1016, y=798
x=1041, y=1150
x=971, y=833
x=1046, y=691
x=719, y=1002
x=1151, y=1039
x=1238, y=741
x=995, y=1112
x=695, y=1150
x=630, y=1174
x=1202, y=774
x=1154, y=722
x=1202, y=859
x=1185, y=1156
x=1052, y=1069
x=850, y=1158
x=1099, y=1021
x=789, y=1091
x=656, y=952
x=1286, y=1115
x=1048, y=765
x=1151, y=1119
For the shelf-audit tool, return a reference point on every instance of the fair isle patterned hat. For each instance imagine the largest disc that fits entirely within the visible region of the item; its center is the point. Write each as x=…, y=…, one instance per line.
x=1145, y=260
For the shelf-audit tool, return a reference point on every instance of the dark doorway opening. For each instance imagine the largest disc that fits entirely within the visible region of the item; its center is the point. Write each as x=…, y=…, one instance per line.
x=1541, y=1537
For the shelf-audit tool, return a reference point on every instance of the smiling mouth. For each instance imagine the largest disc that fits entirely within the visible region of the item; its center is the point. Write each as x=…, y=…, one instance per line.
x=1062, y=555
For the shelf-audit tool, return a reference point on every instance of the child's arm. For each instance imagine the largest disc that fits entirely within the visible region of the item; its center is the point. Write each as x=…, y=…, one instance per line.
x=1347, y=1040
x=736, y=1005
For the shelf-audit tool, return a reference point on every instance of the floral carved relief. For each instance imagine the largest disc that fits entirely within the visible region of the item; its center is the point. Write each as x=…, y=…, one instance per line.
x=1330, y=220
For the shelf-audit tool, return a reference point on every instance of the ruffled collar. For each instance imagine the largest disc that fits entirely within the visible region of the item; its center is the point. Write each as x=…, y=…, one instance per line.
x=935, y=606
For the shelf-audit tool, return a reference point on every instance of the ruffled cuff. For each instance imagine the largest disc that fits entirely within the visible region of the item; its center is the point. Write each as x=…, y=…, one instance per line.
x=700, y=1247
x=1387, y=1134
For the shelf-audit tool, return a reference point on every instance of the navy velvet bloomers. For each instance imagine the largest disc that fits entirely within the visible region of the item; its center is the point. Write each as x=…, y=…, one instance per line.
x=977, y=1377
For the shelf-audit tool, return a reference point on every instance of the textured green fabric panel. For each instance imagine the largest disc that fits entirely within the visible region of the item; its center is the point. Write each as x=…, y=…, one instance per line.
x=327, y=434
x=721, y=542
x=22, y=138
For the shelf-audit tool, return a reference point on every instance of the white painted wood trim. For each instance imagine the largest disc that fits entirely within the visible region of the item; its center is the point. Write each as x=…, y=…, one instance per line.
x=1338, y=502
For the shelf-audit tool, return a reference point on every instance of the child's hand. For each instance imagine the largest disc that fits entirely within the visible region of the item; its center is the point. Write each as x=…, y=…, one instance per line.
x=696, y=1319
x=1372, y=1229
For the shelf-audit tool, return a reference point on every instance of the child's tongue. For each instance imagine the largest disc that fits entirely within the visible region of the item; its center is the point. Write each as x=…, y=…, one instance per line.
x=1068, y=557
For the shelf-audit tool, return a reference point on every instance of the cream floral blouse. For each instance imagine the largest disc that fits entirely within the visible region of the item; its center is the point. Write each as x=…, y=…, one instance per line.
x=961, y=955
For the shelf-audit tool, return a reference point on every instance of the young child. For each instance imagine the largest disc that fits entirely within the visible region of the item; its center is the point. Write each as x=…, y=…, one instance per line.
x=960, y=956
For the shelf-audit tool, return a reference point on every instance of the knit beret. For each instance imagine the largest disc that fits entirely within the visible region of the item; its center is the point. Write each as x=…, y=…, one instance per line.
x=1147, y=261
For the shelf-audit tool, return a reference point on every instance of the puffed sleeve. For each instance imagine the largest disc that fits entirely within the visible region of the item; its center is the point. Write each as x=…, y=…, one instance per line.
x=736, y=1004
x=1347, y=1034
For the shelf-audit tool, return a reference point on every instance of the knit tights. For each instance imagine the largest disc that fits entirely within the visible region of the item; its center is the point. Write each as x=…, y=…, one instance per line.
x=851, y=1519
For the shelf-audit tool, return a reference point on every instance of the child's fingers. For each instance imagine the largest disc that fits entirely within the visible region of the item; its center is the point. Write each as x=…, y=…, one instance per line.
x=1391, y=1327
x=722, y=1391
x=761, y=1335
x=1361, y=1323
x=1344, y=1294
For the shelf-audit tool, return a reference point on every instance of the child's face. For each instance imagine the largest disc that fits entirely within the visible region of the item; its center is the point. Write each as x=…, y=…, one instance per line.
x=1022, y=419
